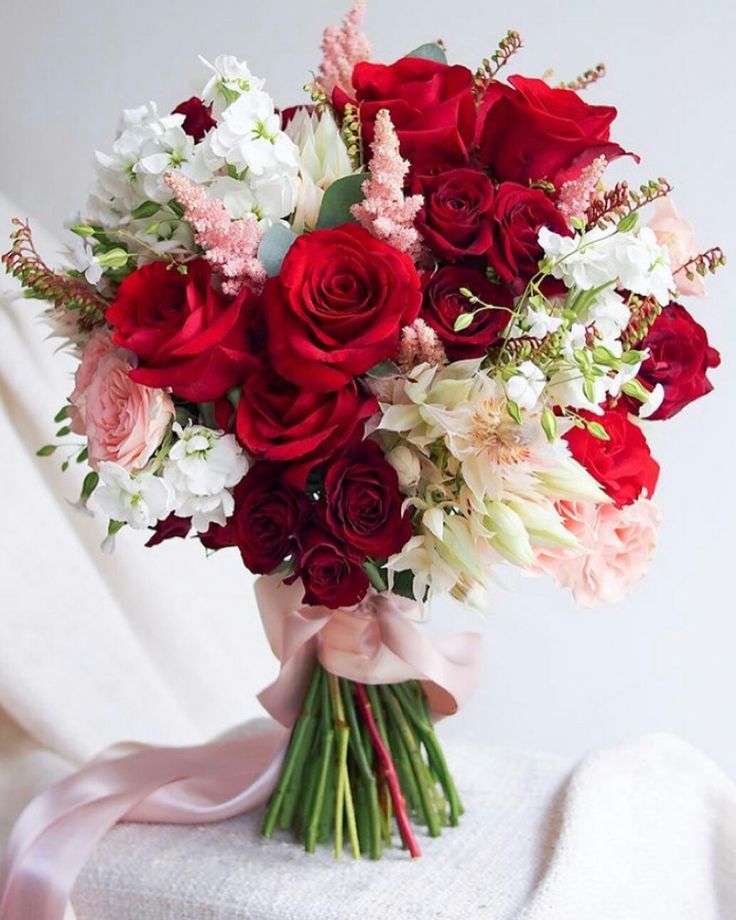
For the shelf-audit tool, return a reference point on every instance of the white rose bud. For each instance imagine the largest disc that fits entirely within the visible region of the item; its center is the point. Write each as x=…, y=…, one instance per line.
x=406, y=463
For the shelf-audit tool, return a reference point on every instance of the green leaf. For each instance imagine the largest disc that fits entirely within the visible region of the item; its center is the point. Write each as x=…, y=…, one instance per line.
x=431, y=51
x=175, y=207
x=598, y=431
x=89, y=485
x=514, y=411
x=63, y=432
x=463, y=321
x=65, y=466
x=82, y=455
x=145, y=209
x=62, y=414
x=589, y=390
x=385, y=368
x=114, y=526
x=549, y=423
x=276, y=242
x=629, y=222
x=46, y=450
x=338, y=200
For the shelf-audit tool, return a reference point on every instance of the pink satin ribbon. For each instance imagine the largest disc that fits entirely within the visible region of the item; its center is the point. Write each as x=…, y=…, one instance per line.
x=376, y=642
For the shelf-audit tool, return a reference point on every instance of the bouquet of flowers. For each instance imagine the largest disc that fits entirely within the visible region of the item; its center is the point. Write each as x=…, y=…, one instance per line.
x=382, y=343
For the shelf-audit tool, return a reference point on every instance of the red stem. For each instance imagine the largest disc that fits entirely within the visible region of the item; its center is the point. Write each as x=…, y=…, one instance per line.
x=392, y=780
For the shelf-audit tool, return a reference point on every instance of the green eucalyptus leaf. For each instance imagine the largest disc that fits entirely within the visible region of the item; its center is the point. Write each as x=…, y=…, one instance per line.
x=339, y=199
x=145, y=209
x=431, y=51
x=276, y=242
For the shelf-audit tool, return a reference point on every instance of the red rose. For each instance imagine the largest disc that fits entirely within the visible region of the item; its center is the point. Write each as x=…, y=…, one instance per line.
x=623, y=465
x=168, y=528
x=454, y=219
x=197, y=117
x=363, y=502
x=679, y=356
x=532, y=131
x=431, y=104
x=517, y=214
x=281, y=422
x=186, y=335
x=268, y=517
x=332, y=574
x=443, y=303
x=336, y=308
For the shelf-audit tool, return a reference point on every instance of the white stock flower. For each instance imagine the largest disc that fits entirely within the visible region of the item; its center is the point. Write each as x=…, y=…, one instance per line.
x=538, y=324
x=201, y=467
x=230, y=79
x=584, y=262
x=526, y=386
x=644, y=265
x=83, y=259
x=608, y=313
x=323, y=158
x=139, y=501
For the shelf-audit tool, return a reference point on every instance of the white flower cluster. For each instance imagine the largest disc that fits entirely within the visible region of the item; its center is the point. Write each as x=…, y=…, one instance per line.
x=194, y=481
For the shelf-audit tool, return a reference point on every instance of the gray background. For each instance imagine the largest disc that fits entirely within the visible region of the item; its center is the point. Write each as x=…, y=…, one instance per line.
x=556, y=678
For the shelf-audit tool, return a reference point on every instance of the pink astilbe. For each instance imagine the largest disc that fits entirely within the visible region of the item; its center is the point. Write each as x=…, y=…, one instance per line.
x=386, y=212
x=419, y=345
x=230, y=246
x=576, y=194
x=343, y=47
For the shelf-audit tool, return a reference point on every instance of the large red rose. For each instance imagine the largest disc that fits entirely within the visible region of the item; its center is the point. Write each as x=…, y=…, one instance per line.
x=517, y=214
x=187, y=336
x=197, y=117
x=282, y=422
x=623, y=465
x=332, y=574
x=268, y=517
x=443, y=303
x=336, y=308
x=363, y=502
x=679, y=356
x=532, y=131
x=431, y=104
x=454, y=219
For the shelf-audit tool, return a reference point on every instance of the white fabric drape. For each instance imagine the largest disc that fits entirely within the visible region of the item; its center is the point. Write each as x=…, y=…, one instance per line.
x=165, y=646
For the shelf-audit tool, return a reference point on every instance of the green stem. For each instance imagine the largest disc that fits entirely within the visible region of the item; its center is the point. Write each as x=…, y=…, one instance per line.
x=328, y=741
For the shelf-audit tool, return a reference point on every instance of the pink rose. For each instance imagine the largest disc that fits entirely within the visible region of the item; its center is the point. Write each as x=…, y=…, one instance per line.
x=674, y=232
x=616, y=546
x=124, y=422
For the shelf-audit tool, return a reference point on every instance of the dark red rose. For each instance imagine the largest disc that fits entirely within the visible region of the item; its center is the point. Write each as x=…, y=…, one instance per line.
x=279, y=421
x=187, y=336
x=454, y=220
x=363, y=502
x=170, y=527
x=431, y=104
x=332, y=574
x=679, y=356
x=517, y=214
x=268, y=517
x=443, y=303
x=197, y=117
x=532, y=131
x=336, y=307
x=623, y=465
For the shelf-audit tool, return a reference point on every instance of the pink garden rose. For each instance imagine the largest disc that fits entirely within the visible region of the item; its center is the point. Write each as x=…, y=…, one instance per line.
x=674, y=232
x=616, y=546
x=123, y=421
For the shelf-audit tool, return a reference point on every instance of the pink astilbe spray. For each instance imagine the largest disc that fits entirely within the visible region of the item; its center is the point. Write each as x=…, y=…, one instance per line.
x=386, y=212
x=576, y=194
x=419, y=345
x=230, y=246
x=343, y=47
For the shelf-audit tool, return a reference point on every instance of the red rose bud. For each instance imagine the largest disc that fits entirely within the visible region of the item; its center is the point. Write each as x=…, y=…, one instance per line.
x=679, y=356
x=337, y=306
x=363, y=502
x=197, y=117
x=517, y=214
x=455, y=218
x=443, y=303
x=284, y=423
x=187, y=336
x=623, y=464
x=431, y=104
x=530, y=131
x=332, y=574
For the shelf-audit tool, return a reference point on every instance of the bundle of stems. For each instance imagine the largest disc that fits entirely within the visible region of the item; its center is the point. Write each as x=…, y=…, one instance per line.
x=363, y=761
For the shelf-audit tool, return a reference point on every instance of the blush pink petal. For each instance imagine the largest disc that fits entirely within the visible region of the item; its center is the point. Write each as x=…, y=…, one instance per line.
x=674, y=232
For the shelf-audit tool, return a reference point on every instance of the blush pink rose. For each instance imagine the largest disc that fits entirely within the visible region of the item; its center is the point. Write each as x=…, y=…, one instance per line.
x=674, y=232
x=123, y=421
x=616, y=546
